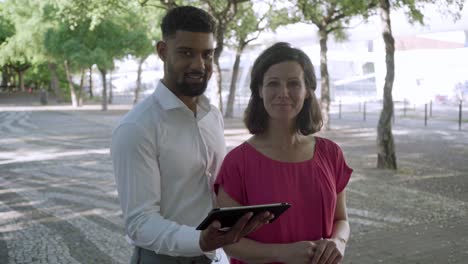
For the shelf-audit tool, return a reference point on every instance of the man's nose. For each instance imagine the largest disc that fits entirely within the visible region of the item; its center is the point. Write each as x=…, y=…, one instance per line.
x=197, y=63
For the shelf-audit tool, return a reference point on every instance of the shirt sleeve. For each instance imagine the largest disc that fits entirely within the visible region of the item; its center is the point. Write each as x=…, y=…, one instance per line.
x=342, y=171
x=136, y=170
x=230, y=177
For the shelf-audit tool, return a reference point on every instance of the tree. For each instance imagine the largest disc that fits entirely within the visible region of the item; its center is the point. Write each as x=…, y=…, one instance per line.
x=31, y=19
x=90, y=12
x=68, y=47
x=147, y=24
x=14, y=50
x=330, y=17
x=246, y=28
x=224, y=12
x=386, y=158
x=6, y=31
x=38, y=76
x=118, y=41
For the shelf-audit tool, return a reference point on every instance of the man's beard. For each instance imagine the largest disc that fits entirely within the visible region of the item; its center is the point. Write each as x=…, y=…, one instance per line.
x=188, y=89
x=192, y=89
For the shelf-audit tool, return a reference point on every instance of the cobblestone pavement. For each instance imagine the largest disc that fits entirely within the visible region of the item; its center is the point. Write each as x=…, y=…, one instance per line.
x=58, y=201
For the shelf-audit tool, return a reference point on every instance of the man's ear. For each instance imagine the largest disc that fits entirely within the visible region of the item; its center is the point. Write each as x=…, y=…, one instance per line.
x=161, y=49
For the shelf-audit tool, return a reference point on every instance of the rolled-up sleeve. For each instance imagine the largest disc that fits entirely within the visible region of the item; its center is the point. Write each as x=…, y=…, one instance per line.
x=136, y=170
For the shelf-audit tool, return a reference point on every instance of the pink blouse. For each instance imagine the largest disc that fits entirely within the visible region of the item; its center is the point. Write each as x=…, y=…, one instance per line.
x=311, y=187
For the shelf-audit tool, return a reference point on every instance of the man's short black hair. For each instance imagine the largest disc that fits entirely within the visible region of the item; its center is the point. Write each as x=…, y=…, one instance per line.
x=187, y=18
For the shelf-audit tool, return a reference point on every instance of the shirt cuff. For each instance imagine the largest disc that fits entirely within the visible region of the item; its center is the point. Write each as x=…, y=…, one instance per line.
x=189, y=241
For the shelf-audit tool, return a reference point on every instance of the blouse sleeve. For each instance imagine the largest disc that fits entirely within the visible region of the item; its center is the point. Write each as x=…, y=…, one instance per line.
x=342, y=171
x=230, y=176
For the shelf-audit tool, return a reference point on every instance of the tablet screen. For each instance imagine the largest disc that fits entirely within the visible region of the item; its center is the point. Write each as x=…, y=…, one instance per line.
x=228, y=216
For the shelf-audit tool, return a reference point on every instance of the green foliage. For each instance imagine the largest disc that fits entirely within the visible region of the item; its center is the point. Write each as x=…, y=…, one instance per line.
x=38, y=76
x=243, y=25
x=333, y=16
x=413, y=8
x=247, y=24
x=6, y=29
x=30, y=22
x=91, y=12
x=144, y=30
x=111, y=39
x=282, y=16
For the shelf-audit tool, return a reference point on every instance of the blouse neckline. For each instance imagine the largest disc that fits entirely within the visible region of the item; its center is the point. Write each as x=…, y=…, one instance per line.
x=284, y=162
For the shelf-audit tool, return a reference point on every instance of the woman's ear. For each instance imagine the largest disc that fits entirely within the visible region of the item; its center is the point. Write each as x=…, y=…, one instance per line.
x=161, y=49
x=260, y=91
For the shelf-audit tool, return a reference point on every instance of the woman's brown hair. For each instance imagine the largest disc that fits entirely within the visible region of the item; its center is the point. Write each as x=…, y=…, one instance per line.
x=309, y=119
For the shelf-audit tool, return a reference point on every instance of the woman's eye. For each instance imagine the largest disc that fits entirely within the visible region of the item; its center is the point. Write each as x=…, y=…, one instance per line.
x=294, y=84
x=272, y=84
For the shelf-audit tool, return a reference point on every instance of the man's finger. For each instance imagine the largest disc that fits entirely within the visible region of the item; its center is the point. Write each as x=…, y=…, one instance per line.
x=214, y=227
x=234, y=234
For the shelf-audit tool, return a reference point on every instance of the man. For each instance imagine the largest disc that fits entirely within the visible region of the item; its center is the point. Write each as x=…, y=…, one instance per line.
x=167, y=151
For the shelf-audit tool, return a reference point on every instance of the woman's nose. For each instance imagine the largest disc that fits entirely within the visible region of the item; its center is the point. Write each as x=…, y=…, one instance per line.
x=283, y=91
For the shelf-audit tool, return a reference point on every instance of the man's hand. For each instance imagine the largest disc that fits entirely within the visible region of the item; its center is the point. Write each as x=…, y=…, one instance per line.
x=212, y=237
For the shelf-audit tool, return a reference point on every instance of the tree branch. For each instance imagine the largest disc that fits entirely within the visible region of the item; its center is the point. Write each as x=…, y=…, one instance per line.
x=334, y=28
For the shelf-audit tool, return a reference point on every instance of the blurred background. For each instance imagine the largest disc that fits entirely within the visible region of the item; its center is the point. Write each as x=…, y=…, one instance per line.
x=392, y=81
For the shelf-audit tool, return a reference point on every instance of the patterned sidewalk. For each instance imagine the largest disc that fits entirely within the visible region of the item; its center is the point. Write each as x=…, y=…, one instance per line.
x=58, y=202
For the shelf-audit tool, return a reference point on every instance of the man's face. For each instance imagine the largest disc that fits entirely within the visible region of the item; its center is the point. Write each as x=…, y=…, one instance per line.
x=188, y=62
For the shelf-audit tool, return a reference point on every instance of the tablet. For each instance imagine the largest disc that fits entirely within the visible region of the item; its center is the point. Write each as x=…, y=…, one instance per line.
x=228, y=216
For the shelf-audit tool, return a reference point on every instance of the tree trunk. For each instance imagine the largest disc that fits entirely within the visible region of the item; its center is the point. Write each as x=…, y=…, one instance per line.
x=110, y=87
x=386, y=158
x=21, y=80
x=11, y=79
x=91, y=82
x=70, y=84
x=324, y=80
x=81, y=90
x=232, y=89
x=54, y=82
x=14, y=80
x=217, y=54
x=466, y=38
x=5, y=76
x=138, y=83
x=104, y=90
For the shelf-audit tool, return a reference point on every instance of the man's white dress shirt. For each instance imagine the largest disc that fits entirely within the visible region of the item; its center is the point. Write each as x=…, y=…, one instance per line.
x=165, y=160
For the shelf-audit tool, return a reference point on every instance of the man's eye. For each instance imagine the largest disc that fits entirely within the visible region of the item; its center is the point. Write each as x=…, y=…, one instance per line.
x=186, y=53
x=208, y=55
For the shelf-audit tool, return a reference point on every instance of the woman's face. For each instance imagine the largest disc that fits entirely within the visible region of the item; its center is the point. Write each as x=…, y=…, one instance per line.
x=283, y=90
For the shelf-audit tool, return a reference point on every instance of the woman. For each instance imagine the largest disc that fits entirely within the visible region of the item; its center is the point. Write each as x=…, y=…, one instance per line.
x=284, y=162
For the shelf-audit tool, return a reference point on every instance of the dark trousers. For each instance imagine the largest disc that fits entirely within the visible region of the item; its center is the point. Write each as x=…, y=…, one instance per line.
x=144, y=256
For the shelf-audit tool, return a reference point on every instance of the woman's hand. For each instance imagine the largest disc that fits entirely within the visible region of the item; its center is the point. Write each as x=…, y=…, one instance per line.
x=328, y=251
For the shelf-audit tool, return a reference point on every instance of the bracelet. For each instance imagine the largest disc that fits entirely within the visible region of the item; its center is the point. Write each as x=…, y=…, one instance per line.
x=341, y=239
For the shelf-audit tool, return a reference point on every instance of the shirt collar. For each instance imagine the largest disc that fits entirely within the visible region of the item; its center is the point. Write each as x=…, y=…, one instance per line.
x=168, y=100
